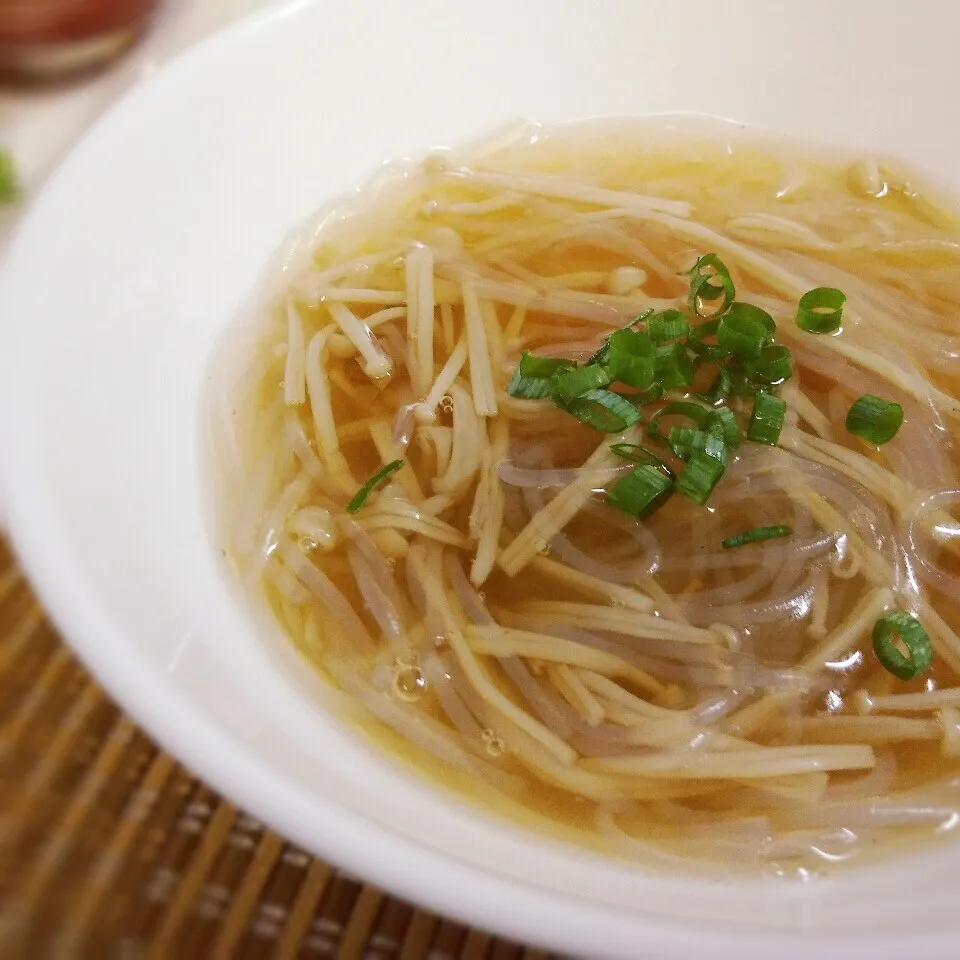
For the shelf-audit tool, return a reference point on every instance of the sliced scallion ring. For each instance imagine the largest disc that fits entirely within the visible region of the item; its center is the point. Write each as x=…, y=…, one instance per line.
x=641, y=455
x=719, y=390
x=667, y=325
x=874, y=419
x=909, y=657
x=745, y=330
x=533, y=366
x=774, y=365
x=641, y=492
x=723, y=422
x=765, y=425
x=699, y=477
x=756, y=535
x=710, y=280
x=575, y=383
x=603, y=410
x=632, y=359
x=821, y=310
x=529, y=388
x=681, y=408
x=361, y=497
x=674, y=368
x=686, y=441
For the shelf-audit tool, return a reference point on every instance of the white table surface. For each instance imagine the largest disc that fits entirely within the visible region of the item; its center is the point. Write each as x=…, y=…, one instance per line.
x=38, y=127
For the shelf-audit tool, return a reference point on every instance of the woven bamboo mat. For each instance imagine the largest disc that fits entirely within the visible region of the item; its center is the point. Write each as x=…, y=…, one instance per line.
x=110, y=850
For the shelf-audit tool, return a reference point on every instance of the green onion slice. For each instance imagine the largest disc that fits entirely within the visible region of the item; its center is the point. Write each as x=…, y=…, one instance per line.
x=575, y=383
x=821, y=310
x=674, y=368
x=529, y=388
x=757, y=315
x=534, y=366
x=774, y=365
x=912, y=655
x=699, y=477
x=632, y=359
x=639, y=454
x=687, y=441
x=681, y=408
x=767, y=420
x=874, y=419
x=602, y=356
x=703, y=330
x=704, y=351
x=756, y=535
x=645, y=397
x=709, y=281
x=741, y=383
x=667, y=325
x=723, y=423
x=603, y=410
x=641, y=492
x=719, y=390
x=745, y=330
x=361, y=498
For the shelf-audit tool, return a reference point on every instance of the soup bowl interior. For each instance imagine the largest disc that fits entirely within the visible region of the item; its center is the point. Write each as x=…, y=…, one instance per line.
x=152, y=236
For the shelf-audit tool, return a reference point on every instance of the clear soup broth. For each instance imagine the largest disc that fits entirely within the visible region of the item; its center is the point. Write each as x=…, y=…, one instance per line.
x=659, y=549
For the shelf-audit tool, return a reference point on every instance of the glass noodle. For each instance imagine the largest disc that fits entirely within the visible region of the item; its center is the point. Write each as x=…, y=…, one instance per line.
x=710, y=667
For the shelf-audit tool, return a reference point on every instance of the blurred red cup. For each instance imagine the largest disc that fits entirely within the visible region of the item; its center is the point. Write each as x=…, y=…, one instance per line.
x=50, y=39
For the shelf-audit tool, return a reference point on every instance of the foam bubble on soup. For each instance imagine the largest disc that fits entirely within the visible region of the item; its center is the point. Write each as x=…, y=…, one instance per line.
x=612, y=474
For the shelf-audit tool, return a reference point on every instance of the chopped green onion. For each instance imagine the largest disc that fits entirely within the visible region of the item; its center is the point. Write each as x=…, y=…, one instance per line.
x=700, y=332
x=766, y=423
x=529, y=388
x=632, y=359
x=682, y=441
x=681, y=408
x=757, y=315
x=603, y=410
x=704, y=351
x=645, y=397
x=699, y=477
x=361, y=498
x=774, y=365
x=722, y=384
x=674, y=368
x=9, y=181
x=745, y=330
x=821, y=310
x=741, y=383
x=723, y=422
x=704, y=330
x=642, y=316
x=874, y=419
x=602, y=356
x=638, y=454
x=667, y=325
x=914, y=652
x=756, y=535
x=686, y=441
x=534, y=366
x=641, y=492
x=708, y=286
x=575, y=383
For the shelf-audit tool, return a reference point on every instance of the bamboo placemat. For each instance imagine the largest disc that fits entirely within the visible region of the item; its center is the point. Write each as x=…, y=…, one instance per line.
x=110, y=850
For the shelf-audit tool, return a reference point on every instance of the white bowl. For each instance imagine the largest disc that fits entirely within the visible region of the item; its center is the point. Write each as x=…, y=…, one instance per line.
x=153, y=233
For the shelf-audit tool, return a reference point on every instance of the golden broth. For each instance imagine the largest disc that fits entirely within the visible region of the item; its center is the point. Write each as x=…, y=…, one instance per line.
x=628, y=684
